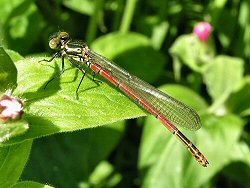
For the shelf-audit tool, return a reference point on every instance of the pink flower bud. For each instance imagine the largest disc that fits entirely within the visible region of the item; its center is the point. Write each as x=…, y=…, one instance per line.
x=10, y=108
x=202, y=30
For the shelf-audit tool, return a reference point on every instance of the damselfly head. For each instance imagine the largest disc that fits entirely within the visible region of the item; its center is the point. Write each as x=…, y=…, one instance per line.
x=58, y=39
x=54, y=43
x=63, y=35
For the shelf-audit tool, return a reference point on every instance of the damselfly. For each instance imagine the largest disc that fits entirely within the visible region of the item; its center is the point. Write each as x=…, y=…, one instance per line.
x=164, y=107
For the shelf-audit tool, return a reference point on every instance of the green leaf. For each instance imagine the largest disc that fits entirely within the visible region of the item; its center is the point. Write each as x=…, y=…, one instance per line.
x=222, y=76
x=85, y=149
x=14, y=55
x=81, y=6
x=57, y=109
x=12, y=129
x=13, y=159
x=30, y=184
x=133, y=52
x=23, y=27
x=239, y=102
x=160, y=151
x=8, y=8
x=192, y=52
x=8, y=72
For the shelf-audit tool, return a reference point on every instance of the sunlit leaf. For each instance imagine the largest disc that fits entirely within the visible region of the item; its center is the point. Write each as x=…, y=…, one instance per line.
x=12, y=129
x=57, y=108
x=30, y=184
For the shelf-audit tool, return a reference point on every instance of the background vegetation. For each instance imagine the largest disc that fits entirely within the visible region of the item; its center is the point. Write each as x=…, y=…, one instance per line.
x=153, y=40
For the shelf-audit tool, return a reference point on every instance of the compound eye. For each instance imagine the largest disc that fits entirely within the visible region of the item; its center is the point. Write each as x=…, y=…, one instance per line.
x=53, y=43
x=78, y=50
x=63, y=35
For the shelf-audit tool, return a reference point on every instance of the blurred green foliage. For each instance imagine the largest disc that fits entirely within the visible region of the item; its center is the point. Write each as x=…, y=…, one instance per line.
x=154, y=41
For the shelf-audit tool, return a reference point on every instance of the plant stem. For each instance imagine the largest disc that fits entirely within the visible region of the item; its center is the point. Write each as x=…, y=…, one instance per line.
x=128, y=15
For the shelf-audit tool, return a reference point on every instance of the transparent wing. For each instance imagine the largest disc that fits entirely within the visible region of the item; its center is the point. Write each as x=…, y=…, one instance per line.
x=175, y=111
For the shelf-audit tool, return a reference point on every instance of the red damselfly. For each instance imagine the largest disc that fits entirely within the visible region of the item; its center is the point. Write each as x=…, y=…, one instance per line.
x=167, y=109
